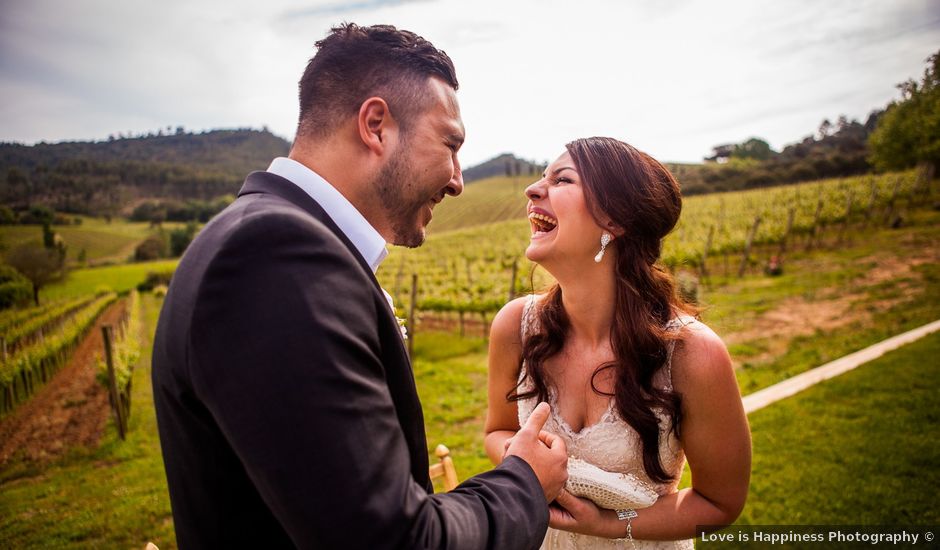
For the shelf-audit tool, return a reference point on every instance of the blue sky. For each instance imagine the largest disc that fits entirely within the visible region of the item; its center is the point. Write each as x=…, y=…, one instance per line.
x=673, y=78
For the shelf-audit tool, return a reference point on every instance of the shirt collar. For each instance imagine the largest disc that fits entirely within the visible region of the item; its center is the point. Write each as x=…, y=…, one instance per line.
x=351, y=222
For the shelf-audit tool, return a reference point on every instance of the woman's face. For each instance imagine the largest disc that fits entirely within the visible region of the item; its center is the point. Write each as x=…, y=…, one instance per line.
x=563, y=230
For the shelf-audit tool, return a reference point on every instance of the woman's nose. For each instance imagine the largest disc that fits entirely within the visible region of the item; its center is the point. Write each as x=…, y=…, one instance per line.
x=535, y=191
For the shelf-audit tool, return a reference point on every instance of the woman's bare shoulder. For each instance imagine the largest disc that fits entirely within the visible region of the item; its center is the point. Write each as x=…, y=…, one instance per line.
x=507, y=324
x=700, y=356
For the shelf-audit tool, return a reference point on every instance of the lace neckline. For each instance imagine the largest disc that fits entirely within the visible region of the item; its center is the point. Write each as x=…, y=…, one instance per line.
x=608, y=416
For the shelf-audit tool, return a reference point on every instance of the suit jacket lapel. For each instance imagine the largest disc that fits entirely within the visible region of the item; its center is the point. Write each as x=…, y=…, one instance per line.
x=266, y=182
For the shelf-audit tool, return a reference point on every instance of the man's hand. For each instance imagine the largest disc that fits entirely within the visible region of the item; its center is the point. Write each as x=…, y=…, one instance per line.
x=545, y=452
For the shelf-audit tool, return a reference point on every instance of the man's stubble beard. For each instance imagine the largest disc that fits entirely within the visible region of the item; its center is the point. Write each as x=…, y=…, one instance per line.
x=403, y=212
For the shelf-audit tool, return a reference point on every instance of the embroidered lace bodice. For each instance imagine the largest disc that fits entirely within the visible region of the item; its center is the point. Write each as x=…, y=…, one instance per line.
x=610, y=444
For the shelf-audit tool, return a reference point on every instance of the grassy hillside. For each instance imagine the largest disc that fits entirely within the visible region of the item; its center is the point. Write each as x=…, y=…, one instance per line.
x=119, y=278
x=487, y=201
x=101, y=241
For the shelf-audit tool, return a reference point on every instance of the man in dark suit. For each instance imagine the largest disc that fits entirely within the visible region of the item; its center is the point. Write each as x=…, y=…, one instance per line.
x=286, y=402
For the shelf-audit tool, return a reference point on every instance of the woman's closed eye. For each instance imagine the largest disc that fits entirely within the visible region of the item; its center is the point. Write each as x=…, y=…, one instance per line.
x=562, y=180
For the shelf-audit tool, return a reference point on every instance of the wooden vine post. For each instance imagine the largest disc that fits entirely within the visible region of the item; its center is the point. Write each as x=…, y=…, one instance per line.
x=708, y=247
x=120, y=419
x=747, y=247
x=845, y=222
x=786, y=234
x=815, y=232
x=871, y=200
x=894, y=196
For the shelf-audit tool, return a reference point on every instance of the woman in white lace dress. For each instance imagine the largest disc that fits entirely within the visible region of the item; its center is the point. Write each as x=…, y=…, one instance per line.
x=636, y=384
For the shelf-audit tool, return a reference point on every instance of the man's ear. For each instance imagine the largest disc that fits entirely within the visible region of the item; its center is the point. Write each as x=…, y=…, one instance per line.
x=376, y=125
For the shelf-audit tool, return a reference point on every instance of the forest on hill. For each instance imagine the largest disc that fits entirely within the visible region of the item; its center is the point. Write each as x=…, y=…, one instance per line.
x=834, y=151
x=102, y=178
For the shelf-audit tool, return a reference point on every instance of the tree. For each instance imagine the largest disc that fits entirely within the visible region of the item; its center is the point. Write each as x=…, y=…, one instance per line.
x=754, y=148
x=180, y=239
x=908, y=132
x=825, y=128
x=38, y=264
x=48, y=236
x=721, y=153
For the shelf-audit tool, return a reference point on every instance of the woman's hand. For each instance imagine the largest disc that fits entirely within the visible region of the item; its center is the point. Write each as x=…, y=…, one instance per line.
x=578, y=515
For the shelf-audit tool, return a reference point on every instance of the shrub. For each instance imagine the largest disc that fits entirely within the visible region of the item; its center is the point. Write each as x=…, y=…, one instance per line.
x=15, y=289
x=154, y=247
x=155, y=280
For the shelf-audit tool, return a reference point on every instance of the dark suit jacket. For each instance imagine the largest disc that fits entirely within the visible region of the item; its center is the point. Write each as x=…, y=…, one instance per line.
x=286, y=402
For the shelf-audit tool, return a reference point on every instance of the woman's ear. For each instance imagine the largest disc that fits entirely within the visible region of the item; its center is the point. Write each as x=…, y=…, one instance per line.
x=614, y=229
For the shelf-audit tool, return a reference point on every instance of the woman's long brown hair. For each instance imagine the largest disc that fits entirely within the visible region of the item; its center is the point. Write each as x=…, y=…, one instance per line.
x=639, y=195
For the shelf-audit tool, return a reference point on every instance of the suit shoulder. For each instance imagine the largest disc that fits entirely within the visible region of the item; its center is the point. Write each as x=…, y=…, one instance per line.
x=271, y=217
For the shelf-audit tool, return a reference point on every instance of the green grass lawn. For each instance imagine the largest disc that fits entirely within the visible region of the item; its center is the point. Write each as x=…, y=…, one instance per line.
x=857, y=449
x=119, y=278
x=101, y=241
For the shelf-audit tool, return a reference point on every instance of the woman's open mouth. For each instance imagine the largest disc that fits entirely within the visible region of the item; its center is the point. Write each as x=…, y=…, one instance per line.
x=542, y=223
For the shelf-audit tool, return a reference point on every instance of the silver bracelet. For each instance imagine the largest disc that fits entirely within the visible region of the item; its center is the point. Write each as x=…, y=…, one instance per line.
x=628, y=515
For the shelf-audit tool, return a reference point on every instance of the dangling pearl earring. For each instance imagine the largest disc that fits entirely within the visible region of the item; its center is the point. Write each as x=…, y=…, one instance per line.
x=605, y=240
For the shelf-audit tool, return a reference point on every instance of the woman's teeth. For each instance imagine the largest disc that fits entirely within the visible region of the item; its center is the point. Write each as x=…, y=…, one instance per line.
x=542, y=223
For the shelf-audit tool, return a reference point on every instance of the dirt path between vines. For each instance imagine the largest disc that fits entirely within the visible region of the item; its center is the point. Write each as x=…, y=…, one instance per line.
x=70, y=410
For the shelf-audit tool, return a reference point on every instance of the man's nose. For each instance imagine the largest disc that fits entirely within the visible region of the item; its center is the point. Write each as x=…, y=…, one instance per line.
x=455, y=185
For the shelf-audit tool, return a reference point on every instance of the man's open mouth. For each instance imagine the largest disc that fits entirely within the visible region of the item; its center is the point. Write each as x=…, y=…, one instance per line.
x=542, y=223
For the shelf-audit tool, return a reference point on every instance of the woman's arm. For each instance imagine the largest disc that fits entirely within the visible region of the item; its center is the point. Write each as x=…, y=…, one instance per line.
x=717, y=444
x=505, y=353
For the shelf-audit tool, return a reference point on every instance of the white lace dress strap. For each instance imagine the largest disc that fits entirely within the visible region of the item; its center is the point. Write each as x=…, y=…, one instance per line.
x=529, y=317
x=528, y=326
x=674, y=324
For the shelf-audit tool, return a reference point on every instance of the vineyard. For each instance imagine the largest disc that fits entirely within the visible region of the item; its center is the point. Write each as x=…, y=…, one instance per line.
x=477, y=269
x=43, y=339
